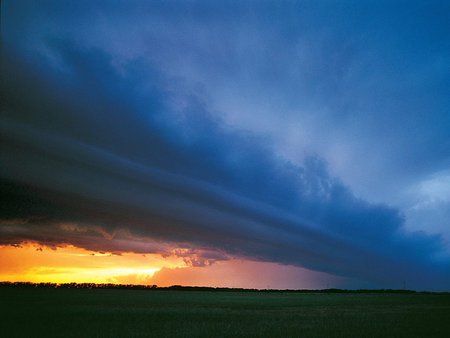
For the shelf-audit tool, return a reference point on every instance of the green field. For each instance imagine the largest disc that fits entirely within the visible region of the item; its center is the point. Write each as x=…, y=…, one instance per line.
x=47, y=312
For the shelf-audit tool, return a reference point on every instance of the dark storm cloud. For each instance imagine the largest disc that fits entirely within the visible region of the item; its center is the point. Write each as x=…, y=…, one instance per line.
x=101, y=166
x=127, y=157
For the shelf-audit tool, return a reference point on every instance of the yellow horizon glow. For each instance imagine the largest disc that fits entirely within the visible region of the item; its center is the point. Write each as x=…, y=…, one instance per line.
x=66, y=264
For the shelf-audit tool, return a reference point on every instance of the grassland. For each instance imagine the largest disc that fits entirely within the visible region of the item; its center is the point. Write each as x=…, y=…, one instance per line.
x=48, y=312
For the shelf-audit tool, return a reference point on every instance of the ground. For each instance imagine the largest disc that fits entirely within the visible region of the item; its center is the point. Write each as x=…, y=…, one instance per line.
x=50, y=312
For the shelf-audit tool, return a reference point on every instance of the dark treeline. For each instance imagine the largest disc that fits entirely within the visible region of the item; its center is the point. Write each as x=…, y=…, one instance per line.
x=194, y=288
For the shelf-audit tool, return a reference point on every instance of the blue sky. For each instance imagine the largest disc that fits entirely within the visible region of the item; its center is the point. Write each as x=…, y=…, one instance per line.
x=308, y=133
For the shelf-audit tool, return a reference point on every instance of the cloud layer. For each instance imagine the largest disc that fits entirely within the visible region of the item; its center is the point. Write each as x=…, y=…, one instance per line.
x=121, y=145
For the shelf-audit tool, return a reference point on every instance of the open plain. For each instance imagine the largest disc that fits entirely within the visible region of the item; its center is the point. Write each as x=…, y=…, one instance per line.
x=84, y=312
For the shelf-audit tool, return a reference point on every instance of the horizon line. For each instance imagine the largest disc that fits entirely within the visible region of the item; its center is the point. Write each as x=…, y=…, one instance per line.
x=88, y=285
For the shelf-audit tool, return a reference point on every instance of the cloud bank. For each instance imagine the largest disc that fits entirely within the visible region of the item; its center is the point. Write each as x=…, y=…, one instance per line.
x=107, y=149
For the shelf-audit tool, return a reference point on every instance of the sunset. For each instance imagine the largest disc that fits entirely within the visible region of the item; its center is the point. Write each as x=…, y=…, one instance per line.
x=33, y=263
x=263, y=145
x=67, y=264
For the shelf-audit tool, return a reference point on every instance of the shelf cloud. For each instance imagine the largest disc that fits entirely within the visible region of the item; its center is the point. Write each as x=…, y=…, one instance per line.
x=162, y=130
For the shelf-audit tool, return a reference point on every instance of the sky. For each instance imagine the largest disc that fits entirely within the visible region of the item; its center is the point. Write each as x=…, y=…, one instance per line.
x=264, y=144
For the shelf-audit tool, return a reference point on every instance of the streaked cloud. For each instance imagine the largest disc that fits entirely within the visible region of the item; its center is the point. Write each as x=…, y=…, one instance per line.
x=216, y=132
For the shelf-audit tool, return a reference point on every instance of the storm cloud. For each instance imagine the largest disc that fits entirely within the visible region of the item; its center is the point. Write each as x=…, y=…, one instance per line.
x=121, y=145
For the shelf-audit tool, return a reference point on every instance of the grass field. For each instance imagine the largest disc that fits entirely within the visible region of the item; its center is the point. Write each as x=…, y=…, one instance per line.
x=46, y=312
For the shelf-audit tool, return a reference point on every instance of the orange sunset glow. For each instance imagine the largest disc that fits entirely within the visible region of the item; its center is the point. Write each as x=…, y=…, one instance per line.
x=66, y=264
x=33, y=263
